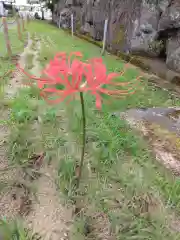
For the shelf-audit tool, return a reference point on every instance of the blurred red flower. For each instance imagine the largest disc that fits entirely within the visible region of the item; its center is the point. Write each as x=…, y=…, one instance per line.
x=98, y=80
x=64, y=76
x=61, y=78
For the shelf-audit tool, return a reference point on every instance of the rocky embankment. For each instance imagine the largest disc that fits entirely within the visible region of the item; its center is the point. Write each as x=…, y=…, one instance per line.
x=143, y=27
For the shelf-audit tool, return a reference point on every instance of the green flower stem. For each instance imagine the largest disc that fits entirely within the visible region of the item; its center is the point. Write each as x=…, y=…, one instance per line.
x=83, y=139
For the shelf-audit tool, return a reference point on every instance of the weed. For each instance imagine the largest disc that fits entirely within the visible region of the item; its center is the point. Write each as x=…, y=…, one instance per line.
x=15, y=230
x=16, y=45
x=29, y=61
x=67, y=178
x=33, y=45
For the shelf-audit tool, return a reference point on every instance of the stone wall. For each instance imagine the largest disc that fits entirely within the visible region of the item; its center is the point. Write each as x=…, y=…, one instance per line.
x=145, y=27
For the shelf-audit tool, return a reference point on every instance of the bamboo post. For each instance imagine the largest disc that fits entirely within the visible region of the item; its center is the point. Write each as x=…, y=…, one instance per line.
x=72, y=25
x=27, y=18
x=105, y=35
x=23, y=28
x=6, y=36
x=19, y=29
x=60, y=21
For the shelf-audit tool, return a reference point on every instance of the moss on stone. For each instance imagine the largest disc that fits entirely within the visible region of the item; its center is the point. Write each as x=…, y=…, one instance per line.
x=136, y=60
x=78, y=26
x=119, y=36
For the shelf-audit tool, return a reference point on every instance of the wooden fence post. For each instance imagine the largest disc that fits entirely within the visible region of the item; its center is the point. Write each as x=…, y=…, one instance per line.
x=22, y=20
x=72, y=25
x=60, y=21
x=27, y=18
x=19, y=29
x=6, y=36
x=105, y=35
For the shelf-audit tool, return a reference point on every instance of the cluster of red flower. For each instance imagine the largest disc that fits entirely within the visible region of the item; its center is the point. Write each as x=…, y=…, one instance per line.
x=64, y=76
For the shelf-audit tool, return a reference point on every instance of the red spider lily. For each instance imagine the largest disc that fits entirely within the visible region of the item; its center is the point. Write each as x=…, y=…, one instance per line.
x=58, y=73
x=60, y=68
x=97, y=78
x=75, y=76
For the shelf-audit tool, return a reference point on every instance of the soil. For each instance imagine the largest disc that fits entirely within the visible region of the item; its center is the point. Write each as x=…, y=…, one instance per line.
x=10, y=206
x=49, y=218
x=45, y=215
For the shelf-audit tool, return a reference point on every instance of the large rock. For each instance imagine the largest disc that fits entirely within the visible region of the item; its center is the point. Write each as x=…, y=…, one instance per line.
x=173, y=52
x=169, y=27
x=93, y=17
x=163, y=4
x=145, y=34
x=63, y=8
x=66, y=18
x=170, y=18
x=122, y=14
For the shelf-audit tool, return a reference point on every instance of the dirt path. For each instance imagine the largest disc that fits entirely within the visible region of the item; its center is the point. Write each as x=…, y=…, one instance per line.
x=11, y=89
x=9, y=205
x=48, y=217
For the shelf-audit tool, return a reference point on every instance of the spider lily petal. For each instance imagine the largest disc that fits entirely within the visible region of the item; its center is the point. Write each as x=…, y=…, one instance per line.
x=97, y=78
x=69, y=74
x=75, y=54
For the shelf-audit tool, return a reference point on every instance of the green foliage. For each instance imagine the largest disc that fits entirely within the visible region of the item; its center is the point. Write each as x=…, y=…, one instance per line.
x=15, y=230
x=16, y=45
x=22, y=112
x=29, y=63
x=22, y=137
x=119, y=36
x=66, y=177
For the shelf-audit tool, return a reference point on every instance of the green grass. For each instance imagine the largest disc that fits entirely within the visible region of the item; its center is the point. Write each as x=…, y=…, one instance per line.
x=20, y=114
x=124, y=191
x=16, y=45
x=29, y=61
x=14, y=230
x=6, y=66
